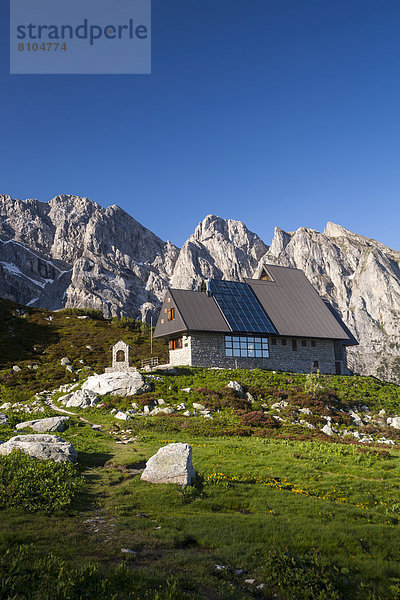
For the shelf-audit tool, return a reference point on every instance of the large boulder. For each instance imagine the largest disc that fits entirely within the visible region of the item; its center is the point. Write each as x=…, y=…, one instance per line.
x=171, y=464
x=43, y=425
x=80, y=399
x=45, y=447
x=117, y=384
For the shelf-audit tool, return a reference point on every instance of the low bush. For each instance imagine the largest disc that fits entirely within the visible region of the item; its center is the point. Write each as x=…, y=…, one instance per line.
x=259, y=419
x=33, y=484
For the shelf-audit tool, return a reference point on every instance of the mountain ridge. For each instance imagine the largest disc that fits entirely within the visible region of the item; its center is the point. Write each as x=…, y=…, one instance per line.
x=72, y=252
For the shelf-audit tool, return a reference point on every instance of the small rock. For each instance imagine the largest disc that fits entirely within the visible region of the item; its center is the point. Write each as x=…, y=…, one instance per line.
x=3, y=419
x=327, y=429
x=161, y=401
x=187, y=390
x=70, y=368
x=128, y=551
x=238, y=571
x=181, y=406
x=122, y=416
x=198, y=406
x=65, y=361
x=281, y=404
x=219, y=567
x=382, y=412
x=187, y=413
x=306, y=411
x=249, y=397
x=16, y=368
x=250, y=581
x=236, y=387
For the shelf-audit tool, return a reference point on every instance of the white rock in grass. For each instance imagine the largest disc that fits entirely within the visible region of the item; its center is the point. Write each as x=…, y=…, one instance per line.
x=3, y=419
x=43, y=425
x=236, y=387
x=394, y=422
x=65, y=361
x=327, y=429
x=45, y=447
x=306, y=411
x=117, y=384
x=122, y=416
x=171, y=464
x=198, y=406
x=80, y=399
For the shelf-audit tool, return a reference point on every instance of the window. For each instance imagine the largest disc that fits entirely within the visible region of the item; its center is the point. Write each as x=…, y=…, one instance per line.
x=304, y=342
x=265, y=276
x=120, y=356
x=171, y=314
x=247, y=347
x=294, y=345
x=313, y=343
x=175, y=344
x=273, y=341
x=284, y=342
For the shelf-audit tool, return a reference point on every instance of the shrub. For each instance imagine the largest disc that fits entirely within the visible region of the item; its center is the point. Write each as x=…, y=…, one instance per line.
x=259, y=419
x=92, y=313
x=33, y=484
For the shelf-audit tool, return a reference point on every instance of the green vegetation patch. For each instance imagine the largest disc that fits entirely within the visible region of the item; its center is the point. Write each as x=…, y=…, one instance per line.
x=32, y=484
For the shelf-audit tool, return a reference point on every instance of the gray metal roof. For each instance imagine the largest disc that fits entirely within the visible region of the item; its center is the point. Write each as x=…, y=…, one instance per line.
x=194, y=311
x=293, y=305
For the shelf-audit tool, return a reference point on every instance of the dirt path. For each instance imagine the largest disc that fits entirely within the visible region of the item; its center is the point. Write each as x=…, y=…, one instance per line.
x=67, y=412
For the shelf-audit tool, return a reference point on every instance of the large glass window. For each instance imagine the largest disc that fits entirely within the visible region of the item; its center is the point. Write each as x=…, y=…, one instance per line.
x=248, y=347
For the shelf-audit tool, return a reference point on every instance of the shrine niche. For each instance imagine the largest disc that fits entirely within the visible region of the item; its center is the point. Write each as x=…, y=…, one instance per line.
x=120, y=358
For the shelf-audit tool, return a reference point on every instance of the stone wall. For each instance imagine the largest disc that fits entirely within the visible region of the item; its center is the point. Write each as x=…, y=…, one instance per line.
x=181, y=356
x=208, y=350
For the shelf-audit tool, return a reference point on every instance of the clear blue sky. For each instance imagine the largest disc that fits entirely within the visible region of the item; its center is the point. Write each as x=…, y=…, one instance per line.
x=274, y=112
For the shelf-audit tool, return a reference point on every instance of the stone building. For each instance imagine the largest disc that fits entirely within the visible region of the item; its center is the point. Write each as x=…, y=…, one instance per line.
x=120, y=359
x=276, y=322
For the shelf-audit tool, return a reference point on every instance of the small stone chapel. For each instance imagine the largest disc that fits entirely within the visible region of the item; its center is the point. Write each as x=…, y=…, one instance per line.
x=120, y=359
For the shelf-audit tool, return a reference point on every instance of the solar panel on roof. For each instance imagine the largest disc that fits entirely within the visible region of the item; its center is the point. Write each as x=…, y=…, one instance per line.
x=240, y=307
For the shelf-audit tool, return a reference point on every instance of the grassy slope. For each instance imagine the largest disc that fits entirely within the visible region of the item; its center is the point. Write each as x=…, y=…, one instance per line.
x=42, y=338
x=309, y=518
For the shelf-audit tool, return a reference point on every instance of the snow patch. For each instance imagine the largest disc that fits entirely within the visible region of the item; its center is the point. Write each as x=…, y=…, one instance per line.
x=14, y=270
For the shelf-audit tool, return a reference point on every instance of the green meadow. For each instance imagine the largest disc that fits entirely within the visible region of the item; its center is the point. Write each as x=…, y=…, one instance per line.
x=277, y=510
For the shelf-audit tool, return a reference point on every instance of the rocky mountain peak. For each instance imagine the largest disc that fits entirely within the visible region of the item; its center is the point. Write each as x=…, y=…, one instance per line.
x=220, y=249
